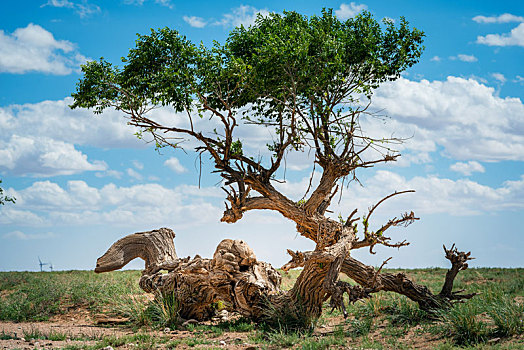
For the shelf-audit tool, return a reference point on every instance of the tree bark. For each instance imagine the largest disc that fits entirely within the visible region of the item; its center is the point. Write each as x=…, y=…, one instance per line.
x=236, y=278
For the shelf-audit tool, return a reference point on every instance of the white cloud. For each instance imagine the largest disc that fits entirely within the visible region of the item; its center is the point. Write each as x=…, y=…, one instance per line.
x=194, y=21
x=433, y=195
x=83, y=8
x=467, y=168
x=499, y=76
x=43, y=157
x=463, y=116
x=243, y=15
x=59, y=3
x=55, y=120
x=34, y=49
x=138, y=165
x=175, y=165
x=464, y=58
x=504, y=18
x=513, y=38
x=134, y=174
x=347, y=11
x=519, y=79
x=46, y=203
x=436, y=59
x=111, y=173
x=166, y=3
x=28, y=236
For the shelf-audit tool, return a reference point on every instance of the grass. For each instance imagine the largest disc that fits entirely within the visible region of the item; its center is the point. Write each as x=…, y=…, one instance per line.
x=37, y=296
x=492, y=320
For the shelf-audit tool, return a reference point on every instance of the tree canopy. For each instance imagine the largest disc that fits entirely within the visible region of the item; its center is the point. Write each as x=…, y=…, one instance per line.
x=306, y=77
x=4, y=199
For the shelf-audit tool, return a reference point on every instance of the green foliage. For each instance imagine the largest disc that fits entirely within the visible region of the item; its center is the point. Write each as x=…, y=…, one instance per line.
x=360, y=326
x=493, y=314
x=287, y=318
x=464, y=325
x=266, y=71
x=4, y=199
x=406, y=312
x=236, y=148
x=507, y=315
x=6, y=336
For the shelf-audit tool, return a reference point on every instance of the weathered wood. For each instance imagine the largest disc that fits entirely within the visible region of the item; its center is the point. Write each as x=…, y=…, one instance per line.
x=154, y=247
x=233, y=275
x=374, y=281
x=242, y=283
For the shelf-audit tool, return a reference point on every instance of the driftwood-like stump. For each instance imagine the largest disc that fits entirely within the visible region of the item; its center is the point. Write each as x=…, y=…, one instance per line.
x=234, y=277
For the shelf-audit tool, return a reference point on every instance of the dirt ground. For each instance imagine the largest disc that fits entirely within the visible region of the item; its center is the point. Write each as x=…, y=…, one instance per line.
x=79, y=329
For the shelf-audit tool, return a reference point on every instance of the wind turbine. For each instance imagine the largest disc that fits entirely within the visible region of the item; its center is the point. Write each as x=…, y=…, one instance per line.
x=42, y=264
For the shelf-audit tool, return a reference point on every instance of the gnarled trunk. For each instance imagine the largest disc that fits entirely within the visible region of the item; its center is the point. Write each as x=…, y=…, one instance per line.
x=236, y=278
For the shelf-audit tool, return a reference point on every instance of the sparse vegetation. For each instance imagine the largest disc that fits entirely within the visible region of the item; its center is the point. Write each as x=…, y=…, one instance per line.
x=493, y=320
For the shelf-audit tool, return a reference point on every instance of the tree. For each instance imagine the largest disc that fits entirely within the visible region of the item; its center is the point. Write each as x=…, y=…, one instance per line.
x=5, y=199
x=309, y=80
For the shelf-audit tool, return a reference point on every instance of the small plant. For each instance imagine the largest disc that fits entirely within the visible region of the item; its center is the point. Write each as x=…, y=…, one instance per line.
x=6, y=336
x=405, y=312
x=508, y=316
x=240, y=325
x=135, y=308
x=32, y=333
x=196, y=341
x=291, y=318
x=324, y=343
x=360, y=327
x=56, y=336
x=284, y=339
x=163, y=311
x=464, y=324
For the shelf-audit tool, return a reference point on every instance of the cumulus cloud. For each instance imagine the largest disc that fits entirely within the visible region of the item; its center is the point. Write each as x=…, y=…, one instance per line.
x=54, y=119
x=83, y=8
x=464, y=58
x=436, y=59
x=433, y=195
x=46, y=203
x=504, y=18
x=49, y=146
x=349, y=10
x=467, y=168
x=464, y=117
x=194, y=21
x=43, y=156
x=514, y=38
x=175, y=165
x=243, y=15
x=34, y=49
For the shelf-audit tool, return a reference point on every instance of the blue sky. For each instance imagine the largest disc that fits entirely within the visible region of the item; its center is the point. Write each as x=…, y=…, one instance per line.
x=82, y=182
